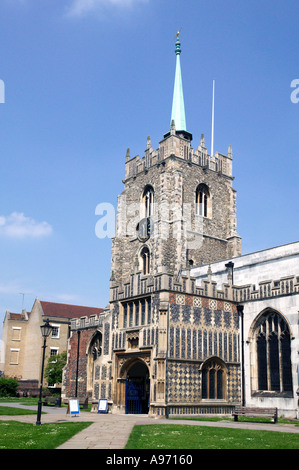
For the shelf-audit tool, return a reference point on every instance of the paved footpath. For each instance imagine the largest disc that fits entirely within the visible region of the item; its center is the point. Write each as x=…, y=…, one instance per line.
x=111, y=431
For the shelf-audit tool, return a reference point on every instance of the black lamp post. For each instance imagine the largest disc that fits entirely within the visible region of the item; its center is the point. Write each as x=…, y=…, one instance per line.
x=46, y=329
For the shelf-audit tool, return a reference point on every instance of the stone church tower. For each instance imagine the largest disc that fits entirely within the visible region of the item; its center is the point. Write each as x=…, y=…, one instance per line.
x=178, y=207
x=177, y=210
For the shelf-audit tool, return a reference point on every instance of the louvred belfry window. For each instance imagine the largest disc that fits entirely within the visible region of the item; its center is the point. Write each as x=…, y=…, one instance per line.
x=202, y=200
x=148, y=201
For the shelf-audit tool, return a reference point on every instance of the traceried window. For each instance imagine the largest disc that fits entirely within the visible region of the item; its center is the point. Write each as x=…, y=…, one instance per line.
x=213, y=380
x=145, y=260
x=148, y=201
x=202, y=201
x=137, y=313
x=95, y=348
x=273, y=349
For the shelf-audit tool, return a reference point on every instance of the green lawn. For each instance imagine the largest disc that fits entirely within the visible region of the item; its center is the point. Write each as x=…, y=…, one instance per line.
x=171, y=436
x=16, y=435
x=22, y=400
x=9, y=411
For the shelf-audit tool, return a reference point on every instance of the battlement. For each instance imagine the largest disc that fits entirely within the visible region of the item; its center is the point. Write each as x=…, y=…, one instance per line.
x=176, y=145
x=140, y=285
x=95, y=321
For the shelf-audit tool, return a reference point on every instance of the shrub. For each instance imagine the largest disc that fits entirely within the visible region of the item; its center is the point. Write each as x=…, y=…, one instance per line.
x=8, y=387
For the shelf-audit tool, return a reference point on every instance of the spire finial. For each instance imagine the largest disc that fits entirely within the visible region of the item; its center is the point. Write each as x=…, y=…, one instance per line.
x=177, y=44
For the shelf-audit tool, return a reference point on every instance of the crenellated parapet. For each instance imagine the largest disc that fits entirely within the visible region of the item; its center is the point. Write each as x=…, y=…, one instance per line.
x=176, y=145
x=139, y=285
x=92, y=321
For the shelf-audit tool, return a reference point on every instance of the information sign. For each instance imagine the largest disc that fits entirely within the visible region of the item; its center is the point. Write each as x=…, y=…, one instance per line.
x=103, y=405
x=73, y=407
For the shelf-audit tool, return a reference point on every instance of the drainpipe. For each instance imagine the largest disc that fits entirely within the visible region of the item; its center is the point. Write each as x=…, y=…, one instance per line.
x=240, y=309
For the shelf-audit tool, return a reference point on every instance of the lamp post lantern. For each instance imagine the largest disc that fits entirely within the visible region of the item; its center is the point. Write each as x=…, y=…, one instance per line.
x=46, y=329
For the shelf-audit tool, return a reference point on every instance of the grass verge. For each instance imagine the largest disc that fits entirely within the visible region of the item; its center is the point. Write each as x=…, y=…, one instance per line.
x=9, y=411
x=170, y=436
x=16, y=435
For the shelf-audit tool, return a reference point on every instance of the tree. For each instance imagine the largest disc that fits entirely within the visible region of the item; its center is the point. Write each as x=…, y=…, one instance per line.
x=53, y=371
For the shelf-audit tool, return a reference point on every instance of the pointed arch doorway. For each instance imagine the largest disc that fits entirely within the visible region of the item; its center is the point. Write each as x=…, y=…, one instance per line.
x=137, y=388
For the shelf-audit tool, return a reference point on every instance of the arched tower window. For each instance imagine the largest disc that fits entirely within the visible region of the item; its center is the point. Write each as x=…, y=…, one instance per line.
x=213, y=380
x=273, y=348
x=148, y=201
x=202, y=200
x=145, y=260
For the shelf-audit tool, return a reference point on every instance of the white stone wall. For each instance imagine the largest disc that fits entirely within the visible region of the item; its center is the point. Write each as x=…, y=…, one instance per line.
x=287, y=306
x=267, y=265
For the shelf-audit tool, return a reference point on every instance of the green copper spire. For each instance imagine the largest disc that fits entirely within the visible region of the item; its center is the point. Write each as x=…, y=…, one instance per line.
x=178, y=107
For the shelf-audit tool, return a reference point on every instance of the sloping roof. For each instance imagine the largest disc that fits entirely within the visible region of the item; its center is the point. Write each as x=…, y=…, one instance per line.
x=53, y=309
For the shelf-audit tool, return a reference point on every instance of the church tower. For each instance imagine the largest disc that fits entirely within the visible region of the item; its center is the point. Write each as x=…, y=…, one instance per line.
x=177, y=211
x=178, y=207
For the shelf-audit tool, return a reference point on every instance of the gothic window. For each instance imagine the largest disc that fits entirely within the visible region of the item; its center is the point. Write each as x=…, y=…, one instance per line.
x=145, y=260
x=273, y=349
x=94, y=353
x=95, y=348
x=136, y=313
x=148, y=201
x=213, y=380
x=202, y=201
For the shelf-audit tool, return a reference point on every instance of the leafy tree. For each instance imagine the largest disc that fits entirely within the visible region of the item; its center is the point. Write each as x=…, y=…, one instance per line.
x=53, y=371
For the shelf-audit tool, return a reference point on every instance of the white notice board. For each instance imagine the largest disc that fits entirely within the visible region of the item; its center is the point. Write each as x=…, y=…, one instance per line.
x=103, y=405
x=73, y=407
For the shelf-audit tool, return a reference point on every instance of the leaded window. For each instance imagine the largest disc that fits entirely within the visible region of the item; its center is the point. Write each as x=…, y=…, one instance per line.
x=213, y=380
x=273, y=349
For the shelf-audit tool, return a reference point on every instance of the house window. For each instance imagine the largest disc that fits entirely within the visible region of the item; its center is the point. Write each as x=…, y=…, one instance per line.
x=273, y=349
x=53, y=352
x=148, y=201
x=16, y=333
x=213, y=380
x=14, y=356
x=202, y=201
x=55, y=331
x=145, y=260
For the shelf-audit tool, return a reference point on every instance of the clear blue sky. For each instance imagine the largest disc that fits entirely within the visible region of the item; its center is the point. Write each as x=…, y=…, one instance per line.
x=84, y=80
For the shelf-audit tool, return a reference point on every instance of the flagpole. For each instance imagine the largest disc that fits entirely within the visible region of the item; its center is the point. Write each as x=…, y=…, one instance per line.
x=213, y=102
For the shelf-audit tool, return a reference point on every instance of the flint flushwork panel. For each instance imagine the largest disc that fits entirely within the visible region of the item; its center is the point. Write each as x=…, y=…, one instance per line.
x=203, y=328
